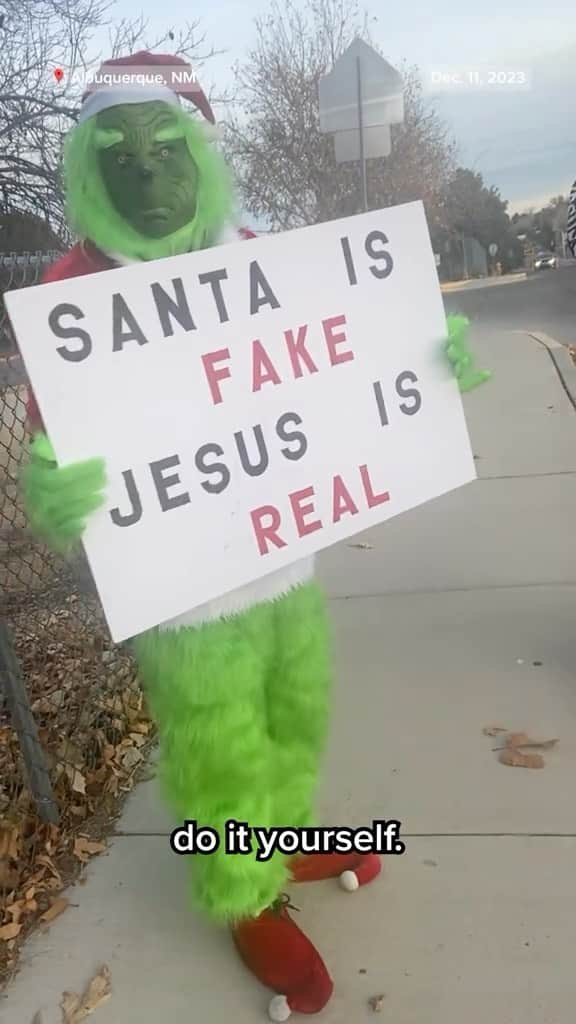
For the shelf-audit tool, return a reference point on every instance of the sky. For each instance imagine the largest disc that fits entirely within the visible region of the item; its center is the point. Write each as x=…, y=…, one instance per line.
x=523, y=142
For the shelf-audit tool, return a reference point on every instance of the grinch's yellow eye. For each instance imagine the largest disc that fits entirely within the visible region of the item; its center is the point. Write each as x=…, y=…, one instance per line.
x=164, y=153
x=122, y=159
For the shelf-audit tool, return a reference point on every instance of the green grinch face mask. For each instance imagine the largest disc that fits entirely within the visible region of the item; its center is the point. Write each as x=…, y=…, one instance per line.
x=146, y=166
x=143, y=180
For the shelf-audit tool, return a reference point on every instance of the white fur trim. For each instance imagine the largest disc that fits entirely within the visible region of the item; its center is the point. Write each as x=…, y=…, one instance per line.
x=268, y=588
x=349, y=881
x=122, y=261
x=229, y=234
x=102, y=99
x=278, y=1009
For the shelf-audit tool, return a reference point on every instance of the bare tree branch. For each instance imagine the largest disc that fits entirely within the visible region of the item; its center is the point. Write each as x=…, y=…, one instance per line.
x=36, y=111
x=286, y=169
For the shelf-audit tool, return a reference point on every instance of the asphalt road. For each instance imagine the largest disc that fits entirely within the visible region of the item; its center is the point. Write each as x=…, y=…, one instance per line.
x=544, y=302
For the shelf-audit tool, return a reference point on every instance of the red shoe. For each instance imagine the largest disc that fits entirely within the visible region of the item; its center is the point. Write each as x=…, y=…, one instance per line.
x=352, y=869
x=278, y=953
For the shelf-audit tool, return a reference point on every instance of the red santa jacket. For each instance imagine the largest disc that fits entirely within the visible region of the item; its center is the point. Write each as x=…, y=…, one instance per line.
x=83, y=258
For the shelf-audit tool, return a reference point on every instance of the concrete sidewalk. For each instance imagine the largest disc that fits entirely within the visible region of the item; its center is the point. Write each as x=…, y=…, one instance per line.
x=458, y=616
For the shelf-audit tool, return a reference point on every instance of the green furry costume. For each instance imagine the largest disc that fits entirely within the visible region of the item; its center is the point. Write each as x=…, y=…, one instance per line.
x=240, y=690
x=242, y=707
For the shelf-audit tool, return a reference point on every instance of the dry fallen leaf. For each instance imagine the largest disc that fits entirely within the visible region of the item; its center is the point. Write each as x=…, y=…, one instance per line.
x=88, y=716
x=516, y=759
x=57, y=908
x=76, y=1008
x=78, y=782
x=10, y=931
x=8, y=876
x=142, y=727
x=15, y=910
x=130, y=758
x=69, y=1005
x=515, y=739
x=38, y=1017
x=54, y=880
x=512, y=753
x=376, y=1003
x=99, y=990
x=9, y=842
x=518, y=740
x=362, y=547
x=543, y=744
x=85, y=848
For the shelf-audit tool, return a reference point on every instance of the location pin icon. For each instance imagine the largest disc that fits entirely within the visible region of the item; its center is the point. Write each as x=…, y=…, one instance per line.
x=58, y=74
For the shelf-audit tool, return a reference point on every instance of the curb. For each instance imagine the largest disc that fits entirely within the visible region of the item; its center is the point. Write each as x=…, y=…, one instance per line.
x=452, y=286
x=486, y=282
x=562, y=360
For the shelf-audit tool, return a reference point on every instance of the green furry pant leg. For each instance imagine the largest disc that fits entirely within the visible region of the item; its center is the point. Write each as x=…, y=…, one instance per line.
x=241, y=707
x=298, y=699
x=207, y=692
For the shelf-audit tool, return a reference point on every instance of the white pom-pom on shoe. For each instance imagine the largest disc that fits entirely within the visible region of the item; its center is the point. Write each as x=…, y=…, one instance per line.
x=278, y=1010
x=349, y=881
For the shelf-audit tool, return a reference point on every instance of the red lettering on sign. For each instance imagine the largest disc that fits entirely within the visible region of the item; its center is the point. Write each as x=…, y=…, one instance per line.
x=332, y=340
x=299, y=511
x=372, y=499
x=298, y=352
x=214, y=375
x=342, y=501
x=263, y=369
x=267, y=520
x=267, y=532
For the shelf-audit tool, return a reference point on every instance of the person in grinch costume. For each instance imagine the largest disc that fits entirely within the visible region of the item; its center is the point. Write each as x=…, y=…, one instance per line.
x=239, y=688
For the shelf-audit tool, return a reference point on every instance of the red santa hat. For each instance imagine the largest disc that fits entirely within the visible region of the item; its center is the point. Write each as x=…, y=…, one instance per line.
x=142, y=78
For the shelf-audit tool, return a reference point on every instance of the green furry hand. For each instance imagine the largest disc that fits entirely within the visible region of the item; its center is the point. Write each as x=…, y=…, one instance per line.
x=459, y=355
x=59, y=501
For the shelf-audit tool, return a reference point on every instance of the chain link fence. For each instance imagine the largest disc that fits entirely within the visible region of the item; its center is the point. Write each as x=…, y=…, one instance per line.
x=74, y=730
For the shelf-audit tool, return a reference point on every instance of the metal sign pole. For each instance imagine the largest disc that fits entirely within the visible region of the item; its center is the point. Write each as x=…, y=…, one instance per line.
x=361, y=133
x=358, y=102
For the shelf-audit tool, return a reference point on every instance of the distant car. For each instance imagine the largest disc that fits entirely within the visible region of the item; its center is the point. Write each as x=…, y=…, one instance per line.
x=545, y=261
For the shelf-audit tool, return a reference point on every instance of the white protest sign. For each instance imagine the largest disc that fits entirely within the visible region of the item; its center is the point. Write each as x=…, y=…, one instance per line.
x=255, y=403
